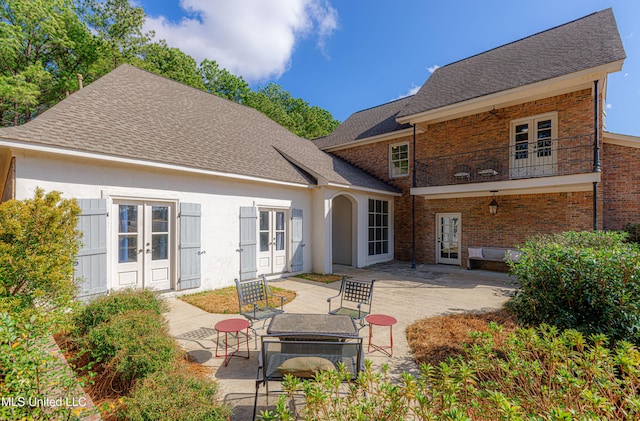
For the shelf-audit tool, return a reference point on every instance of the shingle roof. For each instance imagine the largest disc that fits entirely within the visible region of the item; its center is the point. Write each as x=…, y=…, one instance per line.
x=132, y=113
x=578, y=45
x=366, y=123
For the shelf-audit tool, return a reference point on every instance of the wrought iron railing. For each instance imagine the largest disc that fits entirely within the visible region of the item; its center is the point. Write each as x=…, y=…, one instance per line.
x=544, y=158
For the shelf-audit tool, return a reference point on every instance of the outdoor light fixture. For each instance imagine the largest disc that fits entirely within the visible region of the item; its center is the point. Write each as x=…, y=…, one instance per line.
x=493, y=205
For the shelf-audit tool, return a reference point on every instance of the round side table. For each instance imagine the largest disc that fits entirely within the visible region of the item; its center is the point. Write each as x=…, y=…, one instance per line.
x=381, y=320
x=232, y=326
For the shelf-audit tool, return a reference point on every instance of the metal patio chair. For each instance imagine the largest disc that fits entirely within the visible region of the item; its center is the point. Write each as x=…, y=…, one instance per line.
x=355, y=299
x=256, y=301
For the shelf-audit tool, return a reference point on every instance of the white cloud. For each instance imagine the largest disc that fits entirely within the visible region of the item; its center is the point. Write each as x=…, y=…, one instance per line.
x=609, y=106
x=250, y=38
x=411, y=91
x=626, y=74
x=433, y=68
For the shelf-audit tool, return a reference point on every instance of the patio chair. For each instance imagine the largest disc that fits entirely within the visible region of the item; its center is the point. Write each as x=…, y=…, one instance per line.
x=489, y=169
x=256, y=293
x=462, y=173
x=355, y=299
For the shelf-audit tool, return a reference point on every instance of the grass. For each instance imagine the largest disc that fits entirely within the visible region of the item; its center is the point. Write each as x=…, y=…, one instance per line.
x=225, y=300
x=318, y=277
x=435, y=339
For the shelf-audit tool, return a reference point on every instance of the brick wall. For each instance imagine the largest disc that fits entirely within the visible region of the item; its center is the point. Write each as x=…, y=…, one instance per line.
x=621, y=184
x=519, y=216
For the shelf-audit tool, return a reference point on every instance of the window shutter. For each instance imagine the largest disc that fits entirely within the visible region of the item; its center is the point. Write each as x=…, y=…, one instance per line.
x=296, y=241
x=91, y=265
x=248, y=243
x=190, y=245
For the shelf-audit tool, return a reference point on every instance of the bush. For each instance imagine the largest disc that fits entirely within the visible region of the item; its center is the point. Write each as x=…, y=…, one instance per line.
x=589, y=281
x=634, y=232
x=31, y=372
x=536, y=374
x=174, y=395
x=132, y=345
x=102, y=309
x=38, y=247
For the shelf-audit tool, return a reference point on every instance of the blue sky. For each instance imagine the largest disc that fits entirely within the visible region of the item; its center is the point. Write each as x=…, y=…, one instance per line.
x=348, y=55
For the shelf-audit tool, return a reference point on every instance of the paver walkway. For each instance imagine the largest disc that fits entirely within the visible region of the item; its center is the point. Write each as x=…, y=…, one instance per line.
x=404, y=293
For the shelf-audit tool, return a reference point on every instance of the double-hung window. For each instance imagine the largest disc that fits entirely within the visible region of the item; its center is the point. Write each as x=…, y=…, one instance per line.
x=399, y=160
x=378, y=227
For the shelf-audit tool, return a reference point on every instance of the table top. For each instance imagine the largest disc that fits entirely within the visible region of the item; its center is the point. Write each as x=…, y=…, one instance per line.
x=380, y=320
x=312, y=324
x=232, y=325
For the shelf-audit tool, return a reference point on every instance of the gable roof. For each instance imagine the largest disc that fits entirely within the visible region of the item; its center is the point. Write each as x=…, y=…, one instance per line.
x=582, y=44
x=366, y=123
x=132, y=113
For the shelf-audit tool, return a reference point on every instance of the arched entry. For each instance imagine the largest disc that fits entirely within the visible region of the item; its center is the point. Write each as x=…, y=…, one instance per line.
x=343, y=224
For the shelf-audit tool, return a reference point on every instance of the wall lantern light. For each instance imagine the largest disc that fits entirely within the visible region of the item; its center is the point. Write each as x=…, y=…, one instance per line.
x=493, y=205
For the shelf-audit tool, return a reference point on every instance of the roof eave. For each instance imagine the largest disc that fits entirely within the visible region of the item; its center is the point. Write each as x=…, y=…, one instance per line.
x=22, y=145
x=372, y=139
x=531, y=92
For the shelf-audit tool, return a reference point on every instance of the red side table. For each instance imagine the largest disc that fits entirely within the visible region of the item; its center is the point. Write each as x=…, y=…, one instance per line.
x=232, y=326
x=381, y=320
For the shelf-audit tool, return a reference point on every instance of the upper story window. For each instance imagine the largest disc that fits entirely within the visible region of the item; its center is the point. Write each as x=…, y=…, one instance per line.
x=399, y=160
x=534, y=146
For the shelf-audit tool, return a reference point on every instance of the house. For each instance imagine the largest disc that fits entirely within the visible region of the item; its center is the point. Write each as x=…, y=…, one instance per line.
x=183, y=190
x=521, y=128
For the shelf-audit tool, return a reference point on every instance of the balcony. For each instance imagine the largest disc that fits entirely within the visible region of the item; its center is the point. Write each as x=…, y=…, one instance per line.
x=521, y=166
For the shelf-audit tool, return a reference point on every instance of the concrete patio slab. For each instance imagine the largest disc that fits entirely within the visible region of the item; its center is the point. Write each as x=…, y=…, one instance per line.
x=402, y=292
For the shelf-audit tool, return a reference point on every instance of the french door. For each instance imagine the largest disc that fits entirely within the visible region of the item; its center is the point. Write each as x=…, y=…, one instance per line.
x=448, y=232
x=534, y=149
x=144, y=238
x=272, y=239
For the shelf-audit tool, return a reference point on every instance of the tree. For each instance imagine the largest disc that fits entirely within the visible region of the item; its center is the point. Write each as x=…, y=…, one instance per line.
x=43, y=44
x=119, y=25
x=170, y=62
x=221, y=82
x=295, y=114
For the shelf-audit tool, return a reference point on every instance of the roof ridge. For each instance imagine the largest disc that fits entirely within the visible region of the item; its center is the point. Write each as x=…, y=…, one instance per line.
x=383, y=104
x=524, y=38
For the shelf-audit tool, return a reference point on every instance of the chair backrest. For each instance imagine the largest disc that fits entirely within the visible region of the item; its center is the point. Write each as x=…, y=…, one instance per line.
x=356, y=291
x=252, y=291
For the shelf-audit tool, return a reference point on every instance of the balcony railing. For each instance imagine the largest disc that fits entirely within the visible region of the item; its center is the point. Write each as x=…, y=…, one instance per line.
x=542, y=158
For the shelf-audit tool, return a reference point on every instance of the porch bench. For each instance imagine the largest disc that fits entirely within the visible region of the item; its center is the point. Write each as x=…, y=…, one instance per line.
x=491, y=254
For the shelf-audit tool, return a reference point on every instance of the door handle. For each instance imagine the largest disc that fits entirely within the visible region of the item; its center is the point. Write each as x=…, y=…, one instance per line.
x=148, y=251
x=140, y=251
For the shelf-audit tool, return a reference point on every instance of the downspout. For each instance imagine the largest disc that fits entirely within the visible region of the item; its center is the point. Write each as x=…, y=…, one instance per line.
x=596, y=151
x=413, y=205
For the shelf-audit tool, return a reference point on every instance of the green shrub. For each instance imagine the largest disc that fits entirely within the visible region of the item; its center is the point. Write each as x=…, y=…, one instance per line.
x=174, y=395
x=102, y=309
x=31, y=372
x=38, y=246
x=634, y=232
x=132, y=345
x=589, y=281
x=536, y=374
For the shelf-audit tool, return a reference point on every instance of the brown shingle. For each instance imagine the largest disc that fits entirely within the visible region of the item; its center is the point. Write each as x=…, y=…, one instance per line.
x=132, y=113
x=578, y=45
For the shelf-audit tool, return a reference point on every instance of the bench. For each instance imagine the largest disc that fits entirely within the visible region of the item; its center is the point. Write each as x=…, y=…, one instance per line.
x=491, y=254
x=310, y=355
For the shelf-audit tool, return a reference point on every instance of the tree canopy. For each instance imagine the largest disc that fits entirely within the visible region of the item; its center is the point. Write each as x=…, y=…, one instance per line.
x=46, y=44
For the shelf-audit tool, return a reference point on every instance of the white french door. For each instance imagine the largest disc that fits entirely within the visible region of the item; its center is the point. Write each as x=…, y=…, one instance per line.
x=448, y=232
x=272, y=241
x=144, y=238
x=534, y=149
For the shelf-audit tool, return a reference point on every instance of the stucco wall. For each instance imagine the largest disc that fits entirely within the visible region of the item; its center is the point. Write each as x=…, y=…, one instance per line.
x=220, y=198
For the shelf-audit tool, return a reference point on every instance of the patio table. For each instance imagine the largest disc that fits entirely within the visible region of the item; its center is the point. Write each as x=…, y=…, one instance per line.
x=312, y=326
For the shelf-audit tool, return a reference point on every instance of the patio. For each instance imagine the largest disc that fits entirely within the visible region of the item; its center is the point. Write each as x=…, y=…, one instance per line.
x=404, y=293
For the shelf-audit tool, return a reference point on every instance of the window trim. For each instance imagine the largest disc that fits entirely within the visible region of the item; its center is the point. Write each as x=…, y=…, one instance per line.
x=392, y=161
x=531, y=121
x=381, y=226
